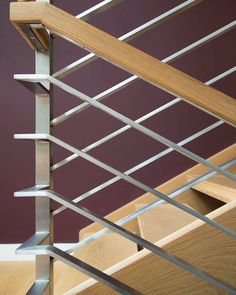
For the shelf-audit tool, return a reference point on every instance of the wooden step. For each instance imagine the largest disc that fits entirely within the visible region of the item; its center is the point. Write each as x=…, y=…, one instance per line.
x=126, y=57
x=16, y=277
x=197, y=243
x=218, y=187
x=162, y=221
x=101, y=253
x=192, y=198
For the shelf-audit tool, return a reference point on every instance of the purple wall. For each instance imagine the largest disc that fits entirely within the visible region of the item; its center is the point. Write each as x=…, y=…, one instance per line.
x=176, y=123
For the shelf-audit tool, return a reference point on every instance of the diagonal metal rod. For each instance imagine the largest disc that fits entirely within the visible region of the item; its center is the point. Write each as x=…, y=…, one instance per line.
x=132, y=237
x=81, y=266
x=98, y=8
x=139, y=120
x=38, y=288
x=124, y=119
x=129, y=36
x=146, y=208
x=138, y=166
x=114, y=134
x=131, y=79
x=127, y=178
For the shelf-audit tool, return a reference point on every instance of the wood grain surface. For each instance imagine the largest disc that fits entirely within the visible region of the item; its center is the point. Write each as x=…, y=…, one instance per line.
x=199, y=202
x=218, y=187
x=126, y=57
x=197, y=243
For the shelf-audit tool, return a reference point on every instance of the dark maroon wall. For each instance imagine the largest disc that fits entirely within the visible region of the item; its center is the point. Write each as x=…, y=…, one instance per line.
x=176, y=123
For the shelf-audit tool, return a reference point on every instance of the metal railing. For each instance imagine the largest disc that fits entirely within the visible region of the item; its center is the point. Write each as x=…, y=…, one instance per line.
x=42, y=83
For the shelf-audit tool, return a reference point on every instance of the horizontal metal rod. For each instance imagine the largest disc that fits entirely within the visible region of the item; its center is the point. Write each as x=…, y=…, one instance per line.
x=82, y=267
x=96, y=9
x=126, y=178
x=138, y=166
x=146, y=208
x=125, y=233
x=68, y=114
x=40, y=78
x=139, y=120
x=129, y=36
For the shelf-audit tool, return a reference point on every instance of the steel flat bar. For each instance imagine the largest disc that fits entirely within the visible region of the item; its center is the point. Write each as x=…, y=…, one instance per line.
x=139, y=120
x=129, y=36
x=132, y=237
x=130, y=59
x=82, y=267
x=26, y=29
x=146, y=208
x=133, y=78
x=126, y=178
x=43, y=158
x=38, y=288
x=126, y=120
x=138, y=166
x=96, y=9
x=201, y=41
x=114, y=134
x=36, y=239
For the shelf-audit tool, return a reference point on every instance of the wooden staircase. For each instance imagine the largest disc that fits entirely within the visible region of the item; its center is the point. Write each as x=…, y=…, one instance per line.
x=166, y=226
x=172, y=229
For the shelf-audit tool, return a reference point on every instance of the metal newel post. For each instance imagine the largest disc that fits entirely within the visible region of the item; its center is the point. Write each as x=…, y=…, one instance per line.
x=43, y=116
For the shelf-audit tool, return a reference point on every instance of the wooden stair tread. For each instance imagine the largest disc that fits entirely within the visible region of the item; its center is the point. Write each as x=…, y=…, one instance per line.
x=219, y=187
x=126, y=57
x=101, y=253
x=151, y=274
x=193, y=198
x=162, y=221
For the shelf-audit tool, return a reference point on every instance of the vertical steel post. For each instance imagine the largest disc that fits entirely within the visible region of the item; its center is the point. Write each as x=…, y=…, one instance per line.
x=43, y=116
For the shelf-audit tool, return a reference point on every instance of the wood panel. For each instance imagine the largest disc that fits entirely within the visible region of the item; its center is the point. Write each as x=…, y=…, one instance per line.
x=16, y=277
x=197, y=243
x=162, y=221
x=127, y=57
x=101, y=253
x=218, y=187
x=199, y=202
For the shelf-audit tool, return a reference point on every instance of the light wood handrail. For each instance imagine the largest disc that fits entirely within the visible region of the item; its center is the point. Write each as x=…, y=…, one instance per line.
x=127, y=57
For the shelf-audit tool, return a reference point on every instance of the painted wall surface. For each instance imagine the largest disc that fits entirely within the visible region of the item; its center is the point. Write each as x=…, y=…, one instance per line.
x=130, y=148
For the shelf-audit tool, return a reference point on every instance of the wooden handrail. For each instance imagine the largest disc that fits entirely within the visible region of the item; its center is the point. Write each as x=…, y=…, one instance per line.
x=126, y=57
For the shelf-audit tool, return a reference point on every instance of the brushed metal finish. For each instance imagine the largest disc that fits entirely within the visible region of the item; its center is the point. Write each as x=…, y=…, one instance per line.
x=152, y=159
x=125, y=233
x=41, y=243
x=81, y=266
x=36, y=239
x=39, y=287
x=126, y=178
x=139, y=120
x=43, y=217
x=126, y=120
